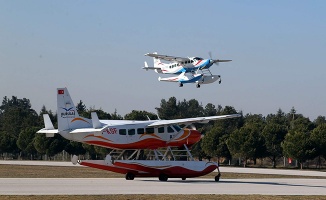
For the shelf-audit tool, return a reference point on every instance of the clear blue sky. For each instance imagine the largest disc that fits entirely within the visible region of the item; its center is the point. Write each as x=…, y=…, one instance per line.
x=96, y=49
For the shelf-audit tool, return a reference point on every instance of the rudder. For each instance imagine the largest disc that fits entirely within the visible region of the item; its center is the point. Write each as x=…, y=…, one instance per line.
x=68, y=117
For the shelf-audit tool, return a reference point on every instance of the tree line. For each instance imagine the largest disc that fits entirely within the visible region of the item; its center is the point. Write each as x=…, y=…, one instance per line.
x=249, y=137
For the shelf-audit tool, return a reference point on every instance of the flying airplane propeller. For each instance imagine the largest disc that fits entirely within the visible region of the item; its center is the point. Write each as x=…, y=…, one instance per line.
x=216, y=61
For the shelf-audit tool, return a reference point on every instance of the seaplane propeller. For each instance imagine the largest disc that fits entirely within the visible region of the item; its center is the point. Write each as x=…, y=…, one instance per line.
x=216, y=61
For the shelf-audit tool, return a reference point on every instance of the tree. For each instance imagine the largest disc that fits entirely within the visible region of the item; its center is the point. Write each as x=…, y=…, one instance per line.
x=15, y=114
x=298, y=145
x=248, y=142
x=81, y=107
x=74, y=148
x=25, y=141
x=274, y=132
x=49, y=146
x=320, y=120
x=318, y=137
x=140, y=115
x=273, y=136
x=214, y=143
x=168, y=109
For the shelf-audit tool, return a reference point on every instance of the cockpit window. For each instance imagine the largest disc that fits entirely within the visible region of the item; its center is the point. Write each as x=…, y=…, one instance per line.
x=198, y=58
x=177, y=128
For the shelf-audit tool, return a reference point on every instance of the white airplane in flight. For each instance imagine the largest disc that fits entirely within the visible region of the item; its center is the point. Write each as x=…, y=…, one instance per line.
x=136, y=135
x=191, y=69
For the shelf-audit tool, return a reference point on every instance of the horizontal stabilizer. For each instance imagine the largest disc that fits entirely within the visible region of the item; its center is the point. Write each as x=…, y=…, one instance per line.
x=96, y=131
x=48, y=133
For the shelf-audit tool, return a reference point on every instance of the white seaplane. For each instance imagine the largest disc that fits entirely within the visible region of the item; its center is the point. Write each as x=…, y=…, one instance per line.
x=191, y=69
x=160, y=138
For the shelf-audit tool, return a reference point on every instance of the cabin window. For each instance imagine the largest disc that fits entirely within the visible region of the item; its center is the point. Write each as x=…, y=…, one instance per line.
x=160, y=129
x=170, y=129
x=131, y=132
x=122, y=131
x=149, y=130
x=140, y=131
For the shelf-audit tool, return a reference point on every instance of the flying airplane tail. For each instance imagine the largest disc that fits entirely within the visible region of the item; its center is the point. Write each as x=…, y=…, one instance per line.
x=157, y=61
x=68, y=117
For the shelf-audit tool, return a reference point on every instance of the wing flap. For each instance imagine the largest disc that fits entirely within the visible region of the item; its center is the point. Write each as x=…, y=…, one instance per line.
x=192, y=120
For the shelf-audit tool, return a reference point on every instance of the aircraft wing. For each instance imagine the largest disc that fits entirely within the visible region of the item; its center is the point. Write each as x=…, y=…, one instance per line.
x=166, y=57
x=192, y=120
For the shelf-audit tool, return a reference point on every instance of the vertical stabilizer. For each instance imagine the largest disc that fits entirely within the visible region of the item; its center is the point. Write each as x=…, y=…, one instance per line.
x=68, y=118
x=157, y=61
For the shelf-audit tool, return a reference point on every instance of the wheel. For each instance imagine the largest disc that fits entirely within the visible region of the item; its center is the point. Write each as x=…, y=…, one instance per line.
x=183, y=179
x=163, y=177
x=217, y=177
x=130, y=176
x=180, y=85
x=198, y=86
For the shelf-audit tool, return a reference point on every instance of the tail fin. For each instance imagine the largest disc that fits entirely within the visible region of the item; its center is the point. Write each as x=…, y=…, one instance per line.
x=49, y=129
x=157, y=61
x=68, y=117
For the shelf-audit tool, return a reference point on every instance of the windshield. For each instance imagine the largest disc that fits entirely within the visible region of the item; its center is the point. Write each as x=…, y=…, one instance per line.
x=176, y=127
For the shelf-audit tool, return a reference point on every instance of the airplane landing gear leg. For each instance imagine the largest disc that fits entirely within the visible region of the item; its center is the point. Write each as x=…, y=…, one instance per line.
x=217, y=177
x=220, y=81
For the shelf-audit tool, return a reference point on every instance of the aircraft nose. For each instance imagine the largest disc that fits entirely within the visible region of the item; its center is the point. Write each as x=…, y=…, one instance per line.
x=195, y=136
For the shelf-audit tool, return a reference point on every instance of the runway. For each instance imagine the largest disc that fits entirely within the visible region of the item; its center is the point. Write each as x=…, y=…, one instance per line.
x=105, y=186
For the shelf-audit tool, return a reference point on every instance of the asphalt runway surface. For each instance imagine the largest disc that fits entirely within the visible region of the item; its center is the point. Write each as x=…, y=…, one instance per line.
x=105, y=186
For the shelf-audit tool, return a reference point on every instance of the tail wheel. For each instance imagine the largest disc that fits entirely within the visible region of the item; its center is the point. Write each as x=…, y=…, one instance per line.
x=130, y=176
x=163, y=177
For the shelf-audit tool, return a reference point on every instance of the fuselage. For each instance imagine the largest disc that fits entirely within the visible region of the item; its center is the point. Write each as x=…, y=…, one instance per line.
x=123, y=134
x=192, y=65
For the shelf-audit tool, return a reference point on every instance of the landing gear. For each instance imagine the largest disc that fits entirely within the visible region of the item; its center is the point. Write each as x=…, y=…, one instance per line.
x=180, y=85
x=163, y=177
x=183, y=179
x=217, y=177
x=130, y=176
x=197, y=85
x=220, y=81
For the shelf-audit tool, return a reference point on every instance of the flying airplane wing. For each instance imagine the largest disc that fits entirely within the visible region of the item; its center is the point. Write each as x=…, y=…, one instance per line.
x=192, y=120
x=166, y=57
